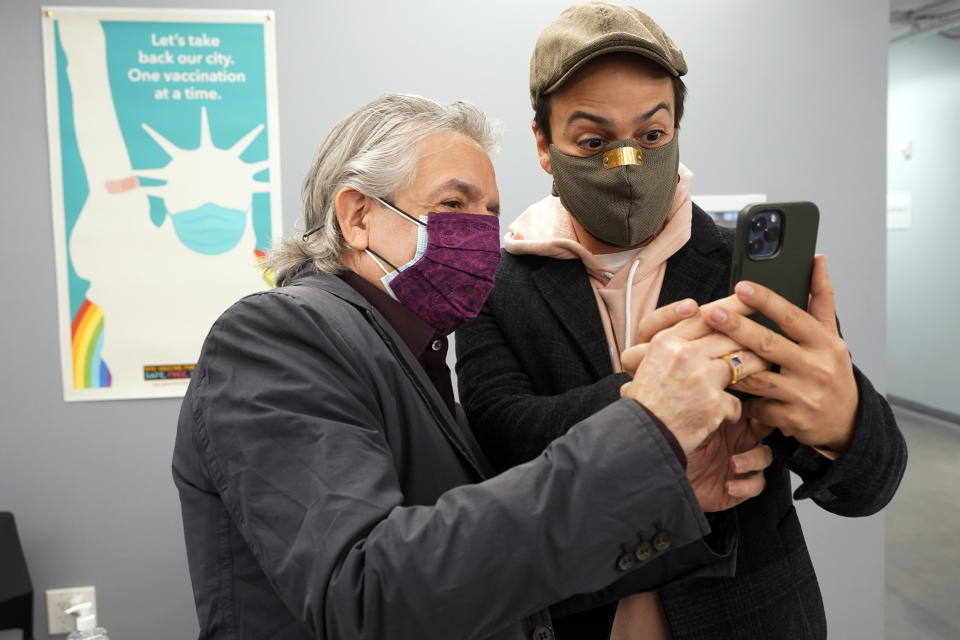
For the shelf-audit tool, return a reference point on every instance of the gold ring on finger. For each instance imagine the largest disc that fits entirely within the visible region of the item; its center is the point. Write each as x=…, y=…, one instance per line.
x=736, y=367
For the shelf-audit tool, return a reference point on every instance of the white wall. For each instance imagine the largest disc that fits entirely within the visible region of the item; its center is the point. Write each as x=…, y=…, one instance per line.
x=922, y=278
x=785, y=99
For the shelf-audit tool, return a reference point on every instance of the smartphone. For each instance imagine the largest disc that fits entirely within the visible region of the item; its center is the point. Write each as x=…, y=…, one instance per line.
x=774, y=246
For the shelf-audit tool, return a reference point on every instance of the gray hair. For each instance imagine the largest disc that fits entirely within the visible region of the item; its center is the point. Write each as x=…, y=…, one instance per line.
x=373, y=150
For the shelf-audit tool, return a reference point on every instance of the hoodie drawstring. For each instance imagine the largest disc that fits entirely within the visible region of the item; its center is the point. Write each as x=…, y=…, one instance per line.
x=626, y=331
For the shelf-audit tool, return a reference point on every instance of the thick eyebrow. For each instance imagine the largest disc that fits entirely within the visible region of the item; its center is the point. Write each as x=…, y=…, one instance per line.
x=643, y=117
x=467, y=189
x=586, y=115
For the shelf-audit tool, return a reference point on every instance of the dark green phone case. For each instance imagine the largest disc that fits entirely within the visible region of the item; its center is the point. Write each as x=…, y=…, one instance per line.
x=787, y=271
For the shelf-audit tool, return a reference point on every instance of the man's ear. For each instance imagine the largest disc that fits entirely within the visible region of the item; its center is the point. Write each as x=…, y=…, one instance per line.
x=353, y=209
x=543, y=148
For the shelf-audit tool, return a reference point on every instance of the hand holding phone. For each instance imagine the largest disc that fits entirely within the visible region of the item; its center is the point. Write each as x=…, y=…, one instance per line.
x=812, y=394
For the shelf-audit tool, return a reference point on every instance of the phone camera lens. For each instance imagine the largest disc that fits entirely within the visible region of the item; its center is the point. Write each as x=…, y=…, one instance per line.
x=758, y=224
x=771, y=234
x=756, y=246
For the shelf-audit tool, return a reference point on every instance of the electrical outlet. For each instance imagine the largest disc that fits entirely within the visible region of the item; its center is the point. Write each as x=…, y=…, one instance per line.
x=59, y=600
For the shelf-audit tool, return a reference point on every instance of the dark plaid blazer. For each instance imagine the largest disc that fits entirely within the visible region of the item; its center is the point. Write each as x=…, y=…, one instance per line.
x=536, y=361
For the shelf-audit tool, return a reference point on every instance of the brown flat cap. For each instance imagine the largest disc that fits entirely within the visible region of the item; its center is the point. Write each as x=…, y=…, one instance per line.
x=585, y=31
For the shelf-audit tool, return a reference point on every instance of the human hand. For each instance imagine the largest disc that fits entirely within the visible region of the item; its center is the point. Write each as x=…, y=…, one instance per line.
x=689, y=320
x=814, y=396
x=681, y=379
x=727, y=468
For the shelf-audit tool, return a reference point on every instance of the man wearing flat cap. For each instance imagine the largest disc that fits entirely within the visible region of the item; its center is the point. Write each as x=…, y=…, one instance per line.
x=617, y=264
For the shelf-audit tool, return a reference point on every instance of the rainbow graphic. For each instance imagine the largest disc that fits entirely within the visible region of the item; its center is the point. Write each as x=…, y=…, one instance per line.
x=86, y=335
x=261, y=257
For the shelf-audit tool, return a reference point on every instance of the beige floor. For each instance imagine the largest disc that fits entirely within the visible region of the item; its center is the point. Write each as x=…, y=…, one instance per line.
x=923, y=534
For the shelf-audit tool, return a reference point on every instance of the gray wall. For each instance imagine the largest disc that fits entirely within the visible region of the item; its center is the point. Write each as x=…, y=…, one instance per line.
x=772, y=108
x=923, y=279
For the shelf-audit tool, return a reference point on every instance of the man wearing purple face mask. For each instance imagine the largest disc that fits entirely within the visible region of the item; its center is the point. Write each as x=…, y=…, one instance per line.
x=329, y=484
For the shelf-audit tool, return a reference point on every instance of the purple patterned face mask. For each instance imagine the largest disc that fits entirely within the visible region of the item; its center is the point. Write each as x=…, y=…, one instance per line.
x=451, y=273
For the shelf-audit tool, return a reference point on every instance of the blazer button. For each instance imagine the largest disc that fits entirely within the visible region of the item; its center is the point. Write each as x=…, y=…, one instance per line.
x=436, y=345
x=542, y=632
x=625, y=562
x=643, y=551
x=661, y=542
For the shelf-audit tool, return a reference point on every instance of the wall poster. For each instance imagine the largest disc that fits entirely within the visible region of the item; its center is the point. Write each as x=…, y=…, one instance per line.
x=165, y=184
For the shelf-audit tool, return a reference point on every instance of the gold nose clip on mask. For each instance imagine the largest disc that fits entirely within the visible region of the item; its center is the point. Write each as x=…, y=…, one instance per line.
x=622, y=156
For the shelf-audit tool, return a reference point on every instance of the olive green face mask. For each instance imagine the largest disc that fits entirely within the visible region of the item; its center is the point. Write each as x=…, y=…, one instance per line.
x=622, y=195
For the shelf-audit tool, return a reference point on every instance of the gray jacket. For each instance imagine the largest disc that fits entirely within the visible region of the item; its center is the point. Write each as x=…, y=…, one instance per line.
x=327, y=492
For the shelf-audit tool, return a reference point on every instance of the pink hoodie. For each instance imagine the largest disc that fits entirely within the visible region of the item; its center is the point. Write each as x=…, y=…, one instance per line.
x=545, y=229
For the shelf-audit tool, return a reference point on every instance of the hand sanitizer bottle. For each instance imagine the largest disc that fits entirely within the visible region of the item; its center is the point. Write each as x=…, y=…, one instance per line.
x=87, y=628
